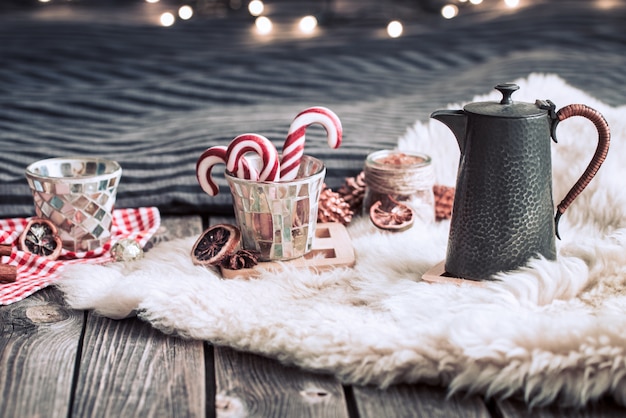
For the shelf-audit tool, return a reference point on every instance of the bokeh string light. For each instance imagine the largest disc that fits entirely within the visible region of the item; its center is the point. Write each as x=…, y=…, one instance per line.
x=308, y=23
x=395, y=29
x=256, y=7
x=511, y=3
x=167, y=19
x=185, y=12
x=449, y=11
x=263, y=25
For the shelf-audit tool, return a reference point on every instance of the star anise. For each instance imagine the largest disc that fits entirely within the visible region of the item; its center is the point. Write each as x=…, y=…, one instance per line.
x=242, y=259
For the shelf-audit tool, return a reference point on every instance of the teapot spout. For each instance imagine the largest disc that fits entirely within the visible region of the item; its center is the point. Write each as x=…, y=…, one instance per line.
x=456, y=120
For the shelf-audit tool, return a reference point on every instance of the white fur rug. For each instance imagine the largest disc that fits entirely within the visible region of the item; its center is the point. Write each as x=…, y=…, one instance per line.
x=552, y=332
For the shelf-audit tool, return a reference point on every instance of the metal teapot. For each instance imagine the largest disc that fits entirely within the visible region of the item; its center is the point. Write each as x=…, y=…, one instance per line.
x=503, y=213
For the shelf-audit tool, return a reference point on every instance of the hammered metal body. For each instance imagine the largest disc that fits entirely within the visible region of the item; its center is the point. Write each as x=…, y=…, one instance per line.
x=503, y=208
x=503, y=213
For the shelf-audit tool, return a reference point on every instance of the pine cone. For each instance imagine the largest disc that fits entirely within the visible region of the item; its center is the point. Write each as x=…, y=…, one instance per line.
x=353, y=191
x=444, y=199
x=242, y=259
x=333, y=208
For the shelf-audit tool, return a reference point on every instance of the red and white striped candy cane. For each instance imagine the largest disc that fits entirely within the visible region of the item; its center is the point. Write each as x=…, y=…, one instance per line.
x=293, y=149
x=260, y=145
x=209, y=159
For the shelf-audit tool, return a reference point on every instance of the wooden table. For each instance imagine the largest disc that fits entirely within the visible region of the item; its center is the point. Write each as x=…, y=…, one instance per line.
x=59, y=362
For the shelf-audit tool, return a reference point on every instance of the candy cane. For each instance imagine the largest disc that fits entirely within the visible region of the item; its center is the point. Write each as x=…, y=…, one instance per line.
x=293, y=149
x=209, y=159
x=262, y=146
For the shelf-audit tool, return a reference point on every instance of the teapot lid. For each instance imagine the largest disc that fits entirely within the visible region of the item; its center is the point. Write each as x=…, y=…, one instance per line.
x=506, y=108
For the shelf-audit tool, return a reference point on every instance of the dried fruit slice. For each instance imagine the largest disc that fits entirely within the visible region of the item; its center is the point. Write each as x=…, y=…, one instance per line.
x=394, y=216
x=40, y=237
x=215, y=243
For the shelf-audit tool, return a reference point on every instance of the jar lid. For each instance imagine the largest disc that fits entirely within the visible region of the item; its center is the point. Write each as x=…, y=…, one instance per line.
x=394, y=159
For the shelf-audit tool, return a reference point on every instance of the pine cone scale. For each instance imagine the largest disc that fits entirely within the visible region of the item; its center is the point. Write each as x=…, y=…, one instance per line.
x=333, y=208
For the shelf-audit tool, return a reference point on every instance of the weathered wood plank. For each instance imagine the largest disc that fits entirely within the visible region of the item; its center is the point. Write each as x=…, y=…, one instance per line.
x=128, y=368
x=39, y=340
x=254, y=386
x=606, y=408
x=415, y=401
x=176, y=227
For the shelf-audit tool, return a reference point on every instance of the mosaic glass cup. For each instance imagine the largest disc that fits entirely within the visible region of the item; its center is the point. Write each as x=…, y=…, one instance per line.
x=77, y=195
x=278, y=219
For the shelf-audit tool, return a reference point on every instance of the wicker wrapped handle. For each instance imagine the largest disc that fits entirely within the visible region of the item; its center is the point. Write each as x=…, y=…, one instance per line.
x=604, y=138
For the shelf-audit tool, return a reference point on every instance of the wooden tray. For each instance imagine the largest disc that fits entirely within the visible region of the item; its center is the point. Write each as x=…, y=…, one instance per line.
x=438, y=274
x=332, y=248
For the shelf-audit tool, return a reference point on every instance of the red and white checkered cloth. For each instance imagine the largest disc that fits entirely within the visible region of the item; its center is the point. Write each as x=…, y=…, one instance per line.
x=35, y=272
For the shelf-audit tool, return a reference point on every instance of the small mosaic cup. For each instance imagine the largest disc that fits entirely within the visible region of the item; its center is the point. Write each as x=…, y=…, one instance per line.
x=278, y=219
x=77, y=194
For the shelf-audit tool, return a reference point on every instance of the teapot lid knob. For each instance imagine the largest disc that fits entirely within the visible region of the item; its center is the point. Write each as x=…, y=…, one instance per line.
x=507, y=90
x=506, y=108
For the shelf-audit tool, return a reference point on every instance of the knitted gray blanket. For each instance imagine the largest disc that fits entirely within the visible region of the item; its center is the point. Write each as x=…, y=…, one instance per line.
x=154, y=98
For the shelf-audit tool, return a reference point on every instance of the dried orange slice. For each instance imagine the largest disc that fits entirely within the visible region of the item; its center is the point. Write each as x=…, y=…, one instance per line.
x=394, y=216
x=40, y=237
x=215, y=244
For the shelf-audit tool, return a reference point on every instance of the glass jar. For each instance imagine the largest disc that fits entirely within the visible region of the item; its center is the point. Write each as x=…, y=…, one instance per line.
x=395, y=176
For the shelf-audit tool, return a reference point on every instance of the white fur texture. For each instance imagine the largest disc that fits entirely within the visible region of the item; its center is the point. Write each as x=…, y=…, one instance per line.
x=552, y=332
